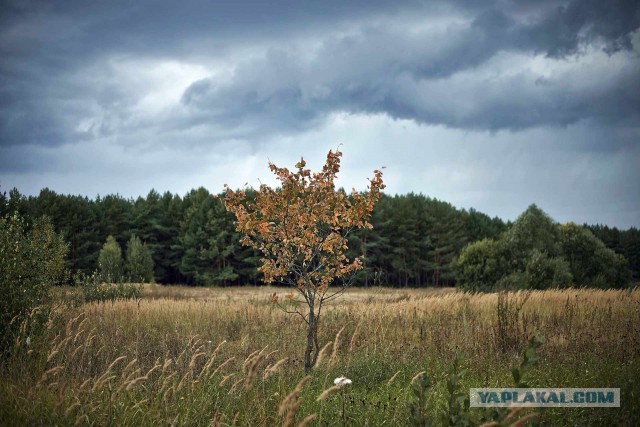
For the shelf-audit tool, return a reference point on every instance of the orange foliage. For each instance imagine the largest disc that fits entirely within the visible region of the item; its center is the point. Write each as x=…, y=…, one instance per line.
x=302, y=227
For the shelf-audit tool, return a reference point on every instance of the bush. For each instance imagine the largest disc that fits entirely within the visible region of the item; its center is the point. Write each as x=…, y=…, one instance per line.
x=94, y=289
x=543, y=272
x=31, y=262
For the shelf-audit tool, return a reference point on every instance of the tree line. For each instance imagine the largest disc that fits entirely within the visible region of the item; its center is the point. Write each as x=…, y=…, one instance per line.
x=537, y=253
x=415, y=240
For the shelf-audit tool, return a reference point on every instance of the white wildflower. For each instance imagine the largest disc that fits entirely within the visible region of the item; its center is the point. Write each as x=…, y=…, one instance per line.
x=342, y=381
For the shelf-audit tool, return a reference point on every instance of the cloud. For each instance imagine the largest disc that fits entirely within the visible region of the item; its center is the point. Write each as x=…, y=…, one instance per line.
x=431, y=85
x=84, y=84
x=59, y=60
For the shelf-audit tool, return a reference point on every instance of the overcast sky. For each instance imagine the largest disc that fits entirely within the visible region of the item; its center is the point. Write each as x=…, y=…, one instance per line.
x=493, y=105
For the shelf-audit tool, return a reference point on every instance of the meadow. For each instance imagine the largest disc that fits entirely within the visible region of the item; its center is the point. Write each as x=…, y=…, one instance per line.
x=227, y=356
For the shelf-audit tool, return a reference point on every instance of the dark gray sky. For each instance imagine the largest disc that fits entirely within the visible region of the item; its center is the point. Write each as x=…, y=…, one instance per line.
x=492, y=105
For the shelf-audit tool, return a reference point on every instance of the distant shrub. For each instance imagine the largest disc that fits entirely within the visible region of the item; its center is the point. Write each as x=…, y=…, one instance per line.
x=31, y=262
x=94, y=289
x=543, y=272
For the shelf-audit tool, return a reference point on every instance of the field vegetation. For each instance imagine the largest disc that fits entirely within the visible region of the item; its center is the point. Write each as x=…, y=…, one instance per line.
x=227, y=356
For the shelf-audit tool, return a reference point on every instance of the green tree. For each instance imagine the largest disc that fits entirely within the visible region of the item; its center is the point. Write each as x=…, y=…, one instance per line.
x=537, y=253
x=139, y=263
x=74, y=218
x=31, y=262
x=208, y=240
x=167, y=250
x=110, y=261
x=406, y=239
x=533, y=229
x=113, y=213
x=480, y=226
x=630, y=248
x=448, y=237
x=591, y=262
x=623, y=242
x=481, y=265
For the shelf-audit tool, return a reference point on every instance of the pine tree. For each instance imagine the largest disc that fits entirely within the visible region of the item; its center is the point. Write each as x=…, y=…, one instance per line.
x=113, y=213
x=167, y=251
x=209, y=241
x=481, y=226
x=405, y=238
x=448, y=237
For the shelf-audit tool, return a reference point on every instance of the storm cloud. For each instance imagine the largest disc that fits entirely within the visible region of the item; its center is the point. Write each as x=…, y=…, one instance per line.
x=90, y=91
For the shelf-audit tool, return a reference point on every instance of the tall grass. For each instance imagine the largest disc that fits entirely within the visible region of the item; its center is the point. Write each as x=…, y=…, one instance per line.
x=185, y=356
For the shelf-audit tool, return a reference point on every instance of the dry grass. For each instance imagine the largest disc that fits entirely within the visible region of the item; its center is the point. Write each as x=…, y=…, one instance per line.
x=263, y=293
x=160, y=359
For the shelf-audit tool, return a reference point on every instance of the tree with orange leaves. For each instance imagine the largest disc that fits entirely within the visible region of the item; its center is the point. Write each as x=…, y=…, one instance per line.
x=301, y=229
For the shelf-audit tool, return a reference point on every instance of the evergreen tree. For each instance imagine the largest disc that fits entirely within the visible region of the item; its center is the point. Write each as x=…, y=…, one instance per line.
x=81, y=231
x=114, y=217
x=448, y=237
x=406, y=239
x=110, y=261
x=156, y=219
x=74, y=218
x=4, y=204
x=374, y=245
x=624, y=242
x=139, y=264
x=630, y=248
x=480, y=226
x=209, y=240
x=167, y=250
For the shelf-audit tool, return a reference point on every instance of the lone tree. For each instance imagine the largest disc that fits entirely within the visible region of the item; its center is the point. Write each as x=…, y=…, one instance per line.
x=139, y=263
x=110, y=261
x=301, y=230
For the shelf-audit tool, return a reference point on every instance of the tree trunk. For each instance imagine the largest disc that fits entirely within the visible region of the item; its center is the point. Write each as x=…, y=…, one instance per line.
x=311, y=356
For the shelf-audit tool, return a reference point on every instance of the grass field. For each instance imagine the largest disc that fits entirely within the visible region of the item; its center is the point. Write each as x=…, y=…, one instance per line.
x=226, y=356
